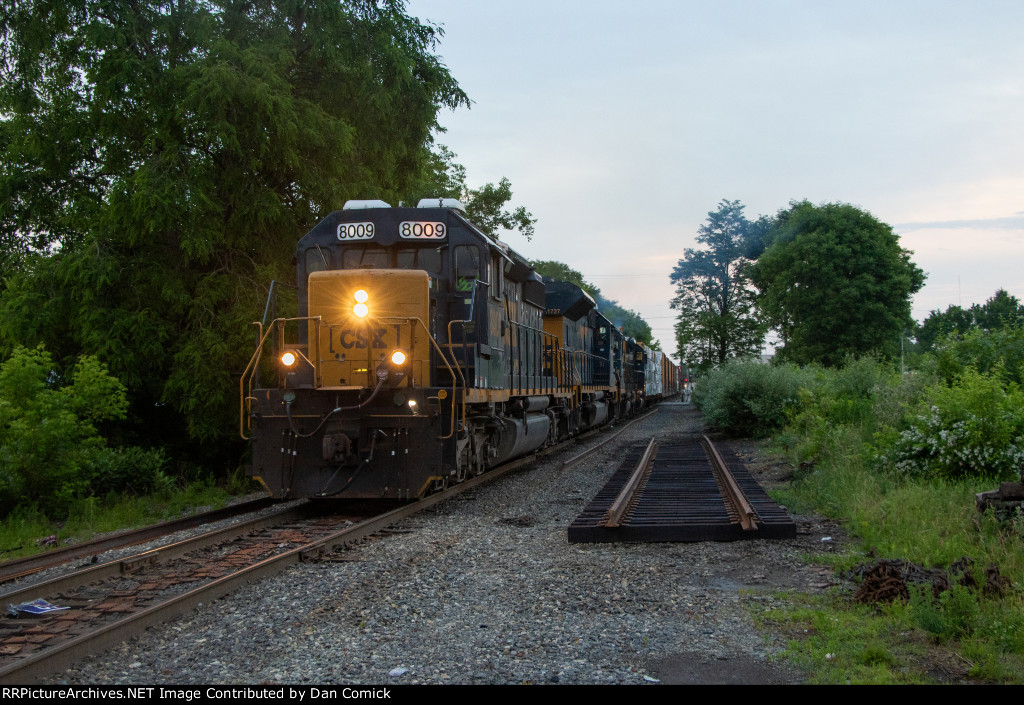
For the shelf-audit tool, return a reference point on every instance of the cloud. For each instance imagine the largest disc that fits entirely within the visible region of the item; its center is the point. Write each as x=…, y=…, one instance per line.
x=1013, y=222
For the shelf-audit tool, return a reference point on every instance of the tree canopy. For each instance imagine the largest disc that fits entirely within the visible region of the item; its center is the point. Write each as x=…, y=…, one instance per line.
x=485, y=206
x=1000, y=311
x=717, y=318
x=835, y=282
x=159, y=160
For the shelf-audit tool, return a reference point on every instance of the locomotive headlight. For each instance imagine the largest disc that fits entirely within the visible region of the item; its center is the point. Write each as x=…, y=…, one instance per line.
x=361, y=296
x=360, y=310
x=288, y=359
x=398, y=358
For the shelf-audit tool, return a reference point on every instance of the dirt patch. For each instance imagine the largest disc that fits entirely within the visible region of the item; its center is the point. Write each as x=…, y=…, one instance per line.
x=698, y=669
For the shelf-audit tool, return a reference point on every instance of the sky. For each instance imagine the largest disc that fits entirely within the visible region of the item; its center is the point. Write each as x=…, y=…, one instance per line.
x=621, y=126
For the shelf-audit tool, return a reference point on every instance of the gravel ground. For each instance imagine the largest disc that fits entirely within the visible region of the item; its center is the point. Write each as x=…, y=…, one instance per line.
x=485, y=588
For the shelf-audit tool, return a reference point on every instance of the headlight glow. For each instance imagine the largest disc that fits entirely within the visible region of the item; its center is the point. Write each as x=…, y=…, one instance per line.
x=360, y=310
x=288, y=359
x=398, y=357
x=361, y=296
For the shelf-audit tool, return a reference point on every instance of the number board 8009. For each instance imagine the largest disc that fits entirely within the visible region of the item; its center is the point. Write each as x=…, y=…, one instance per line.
x=415, y=230
x=355, y=231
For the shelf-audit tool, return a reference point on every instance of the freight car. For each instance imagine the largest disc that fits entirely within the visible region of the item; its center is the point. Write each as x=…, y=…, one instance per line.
x=424, y=352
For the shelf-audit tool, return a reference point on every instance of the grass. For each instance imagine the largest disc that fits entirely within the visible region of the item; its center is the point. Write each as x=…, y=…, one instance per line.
x=26, y=531
x=839, y=643
x=963, y=634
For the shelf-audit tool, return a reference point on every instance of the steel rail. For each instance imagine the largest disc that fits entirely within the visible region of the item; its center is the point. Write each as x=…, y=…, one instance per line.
x=731, y=491
x=124, y=566
x=20, y=567
x=624, y=500
x=69, y=652
x=576, y=458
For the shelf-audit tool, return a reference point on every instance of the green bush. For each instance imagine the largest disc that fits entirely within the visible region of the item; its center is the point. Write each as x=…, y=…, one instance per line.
x=972, y=428
x=998, y=351
x=50, y=450
x=746, y=398
x=128, y=470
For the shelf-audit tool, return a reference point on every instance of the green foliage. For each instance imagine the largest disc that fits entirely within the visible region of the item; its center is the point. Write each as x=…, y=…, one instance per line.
x=972, y=428
x=1000, y=311
x=629, y=322
x=835, y=282
x=717, y=318
x=485, y=206
x=129, y=471
x=159, y=160
x=564, y=273
x=999, y=351
x=23, y=530
x=50, y=449
x=929, y=519
x=952, y=616
x=746, y=398
x=836, y=642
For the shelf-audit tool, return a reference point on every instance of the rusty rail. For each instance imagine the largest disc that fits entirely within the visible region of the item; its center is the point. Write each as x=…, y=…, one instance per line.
x=20, y=567
x=628, y=494
x=731, y=491
x=36, y=665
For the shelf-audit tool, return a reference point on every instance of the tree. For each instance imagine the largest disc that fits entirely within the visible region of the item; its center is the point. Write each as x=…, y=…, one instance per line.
x=485, y=206
x=161, y=158
x=50, y=449
x=1000, y=311
x=835, y=282
x=717, y=318
x=564, y=273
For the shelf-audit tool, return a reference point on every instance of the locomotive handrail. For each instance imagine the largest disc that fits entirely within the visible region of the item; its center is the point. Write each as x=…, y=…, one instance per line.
x=441, y=353
x=544, y=339
x=250, y=369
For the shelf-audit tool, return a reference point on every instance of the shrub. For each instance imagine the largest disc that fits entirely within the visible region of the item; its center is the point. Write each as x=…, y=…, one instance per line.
x=747, y=398
x=972, y=428
x=128, y=470
x=1000, y=350
x=50, y=451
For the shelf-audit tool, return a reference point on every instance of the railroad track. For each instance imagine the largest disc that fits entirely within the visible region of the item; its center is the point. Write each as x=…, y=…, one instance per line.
x=683, y=490
x=22, y=567
x=113, y=601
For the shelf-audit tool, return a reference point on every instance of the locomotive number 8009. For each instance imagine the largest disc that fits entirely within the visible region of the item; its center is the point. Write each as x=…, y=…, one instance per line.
x=425, y=351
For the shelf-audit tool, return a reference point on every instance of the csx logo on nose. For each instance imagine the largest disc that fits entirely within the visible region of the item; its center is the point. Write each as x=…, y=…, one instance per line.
x=357, y=338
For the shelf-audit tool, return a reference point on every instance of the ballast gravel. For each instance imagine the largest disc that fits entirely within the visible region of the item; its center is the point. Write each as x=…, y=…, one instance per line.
x=486, y=589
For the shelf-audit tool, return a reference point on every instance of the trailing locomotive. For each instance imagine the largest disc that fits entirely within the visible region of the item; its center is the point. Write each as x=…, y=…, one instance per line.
x=424, y=352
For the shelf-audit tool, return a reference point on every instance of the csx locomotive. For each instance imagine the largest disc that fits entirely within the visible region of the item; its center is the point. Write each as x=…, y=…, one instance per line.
x=424, y=352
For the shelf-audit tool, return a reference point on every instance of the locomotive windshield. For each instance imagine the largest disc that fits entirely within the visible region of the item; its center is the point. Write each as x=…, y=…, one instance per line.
x=365, y=258
x=467, y=266
x=426, y=258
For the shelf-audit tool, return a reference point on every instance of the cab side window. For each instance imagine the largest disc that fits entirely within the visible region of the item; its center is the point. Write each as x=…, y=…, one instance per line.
x=467, y=267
